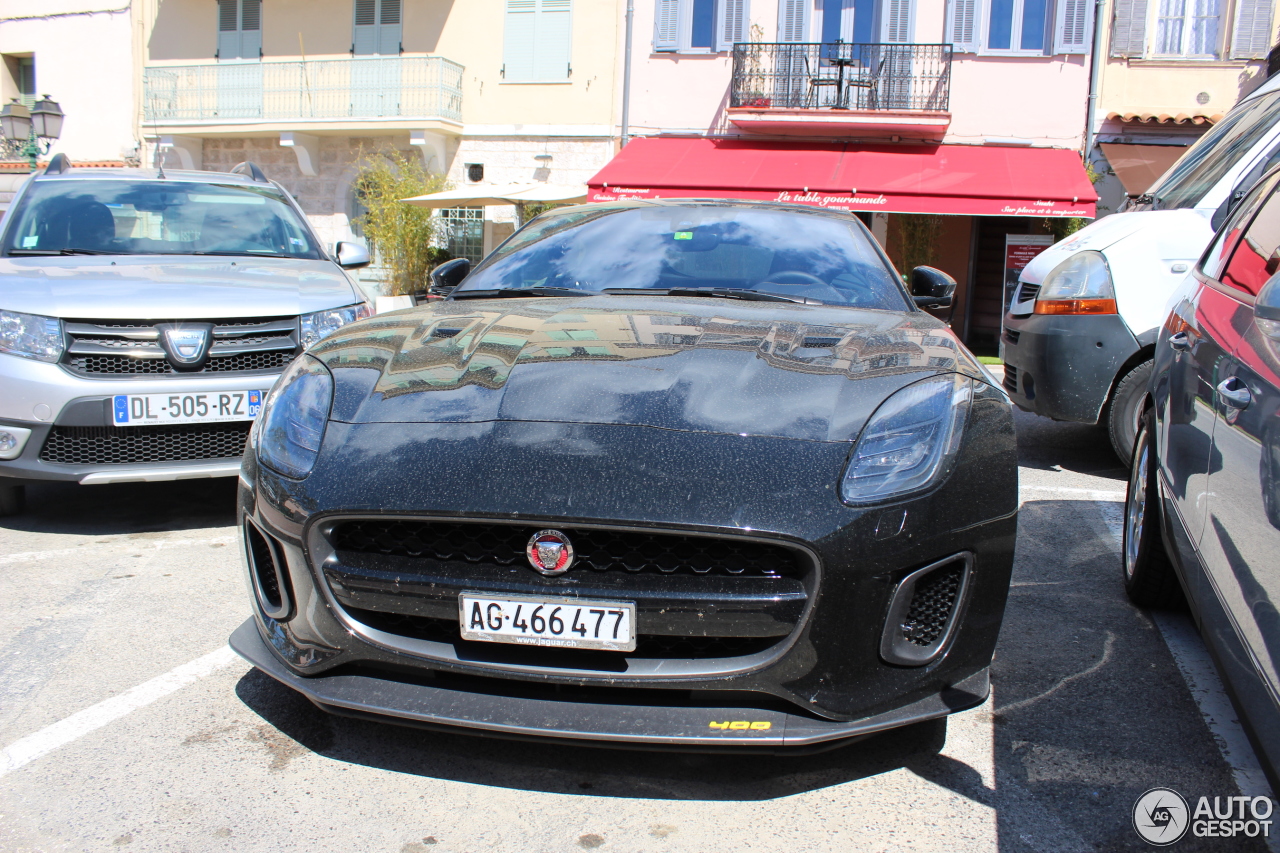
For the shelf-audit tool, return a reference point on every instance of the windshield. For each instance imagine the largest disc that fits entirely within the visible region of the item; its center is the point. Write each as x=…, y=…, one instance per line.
x=798, y=255
x=155, y=218
x=1215, y=154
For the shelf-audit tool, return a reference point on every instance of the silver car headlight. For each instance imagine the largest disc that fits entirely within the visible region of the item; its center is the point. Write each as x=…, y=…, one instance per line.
x=31, y=336
x=910, y=443
x=320, y=325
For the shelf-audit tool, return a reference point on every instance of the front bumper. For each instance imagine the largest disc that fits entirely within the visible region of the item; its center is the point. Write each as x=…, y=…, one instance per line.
x=584, y=720
x=1063, y=366
x=45, y=398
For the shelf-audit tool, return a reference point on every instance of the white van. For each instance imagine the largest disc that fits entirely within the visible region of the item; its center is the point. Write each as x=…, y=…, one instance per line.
x=1079, y=336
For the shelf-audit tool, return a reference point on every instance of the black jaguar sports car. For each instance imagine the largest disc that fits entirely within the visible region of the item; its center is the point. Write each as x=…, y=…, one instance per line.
x=683, y=472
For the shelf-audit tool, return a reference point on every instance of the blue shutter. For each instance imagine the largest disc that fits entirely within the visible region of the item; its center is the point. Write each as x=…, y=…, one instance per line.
x=519, y=38
x=962, y=25
x=228, y=29
x=389, y=33
x=732, y=20
x=793, y=20
x=553, y=44
x=1072, y=31
x=1251, y=38
x=364, y=35
x=896, y=21
x=250, y=29
x=666, y=25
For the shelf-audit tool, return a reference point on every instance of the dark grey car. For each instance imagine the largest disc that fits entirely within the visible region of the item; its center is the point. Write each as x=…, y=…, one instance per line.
x=1203, y=507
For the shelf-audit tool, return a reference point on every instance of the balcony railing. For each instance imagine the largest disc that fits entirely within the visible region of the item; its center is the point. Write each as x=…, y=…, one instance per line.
x=363, y=88
x=837, y=75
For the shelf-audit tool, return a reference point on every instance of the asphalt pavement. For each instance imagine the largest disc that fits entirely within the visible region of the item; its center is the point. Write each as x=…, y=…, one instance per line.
x=125, y=723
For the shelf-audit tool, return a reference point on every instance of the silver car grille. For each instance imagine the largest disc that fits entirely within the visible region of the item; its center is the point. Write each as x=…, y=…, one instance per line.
x=107, y=348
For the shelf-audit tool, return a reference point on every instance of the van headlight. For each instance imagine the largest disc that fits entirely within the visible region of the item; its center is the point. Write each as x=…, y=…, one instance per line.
x=314, y=328
x=1079, y=285
x=910, y=443
x=294, y=418
x=31, y=336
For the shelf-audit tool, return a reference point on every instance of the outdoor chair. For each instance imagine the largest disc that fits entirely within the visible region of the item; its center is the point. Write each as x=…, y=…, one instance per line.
x=818, y=82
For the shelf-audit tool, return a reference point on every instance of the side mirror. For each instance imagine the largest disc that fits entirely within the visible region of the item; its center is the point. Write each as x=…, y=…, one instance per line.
x=1266, y=307
x=449, y=275
x=352, y=255
x=932, y=288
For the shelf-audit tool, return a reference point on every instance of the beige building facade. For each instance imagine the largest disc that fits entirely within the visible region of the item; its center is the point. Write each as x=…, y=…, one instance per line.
x=488, y=92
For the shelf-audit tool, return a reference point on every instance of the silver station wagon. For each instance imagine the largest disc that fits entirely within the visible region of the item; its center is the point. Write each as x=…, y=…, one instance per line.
x=144, y=315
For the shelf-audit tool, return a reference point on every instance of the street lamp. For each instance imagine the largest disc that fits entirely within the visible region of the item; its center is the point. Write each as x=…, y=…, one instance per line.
x=30, y=133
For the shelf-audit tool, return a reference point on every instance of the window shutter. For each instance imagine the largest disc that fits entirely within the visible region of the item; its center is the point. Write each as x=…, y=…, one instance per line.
x=228, y=29
x=389, y=28
x=518, y=40
x=731, y=25
x=896, y=27
x=962, y=23
x=1129, y=29
x=1072, y=30
x=1251, y=38
x=666, y=25
x=364, y=38
x=250, y=29
x=552, y=44
x=793, y=20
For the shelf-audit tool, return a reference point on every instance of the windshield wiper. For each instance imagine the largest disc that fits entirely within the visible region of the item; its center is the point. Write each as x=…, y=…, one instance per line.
x=503, y=292
x=733, y=293
x=238, y=254
x=53, y=252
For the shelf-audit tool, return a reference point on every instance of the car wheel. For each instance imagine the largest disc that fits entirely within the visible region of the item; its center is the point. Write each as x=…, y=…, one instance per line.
x=12, y=499
x=1149, y=578
x=1122, y=410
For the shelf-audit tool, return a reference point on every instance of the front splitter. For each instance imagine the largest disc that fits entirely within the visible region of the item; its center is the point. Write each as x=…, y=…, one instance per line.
x=519, y=717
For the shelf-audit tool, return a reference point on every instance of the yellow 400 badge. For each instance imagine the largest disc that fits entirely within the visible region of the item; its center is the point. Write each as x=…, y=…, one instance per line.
x=739, y=725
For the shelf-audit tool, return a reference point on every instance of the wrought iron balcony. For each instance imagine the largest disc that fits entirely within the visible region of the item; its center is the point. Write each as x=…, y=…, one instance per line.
x=841, y=76
x=287, y=91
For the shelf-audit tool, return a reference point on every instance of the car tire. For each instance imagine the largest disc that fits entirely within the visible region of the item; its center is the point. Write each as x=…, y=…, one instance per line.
x=1149, y=577
x=1122, y=412
x=13, y=499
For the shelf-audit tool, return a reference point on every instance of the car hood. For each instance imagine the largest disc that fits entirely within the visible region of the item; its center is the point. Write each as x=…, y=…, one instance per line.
x=710, y=365
x=144, y=287
x=1096, y=236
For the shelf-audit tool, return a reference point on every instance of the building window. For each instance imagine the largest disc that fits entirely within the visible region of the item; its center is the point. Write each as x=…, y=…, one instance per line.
x=536, y=41
x=377, y=28
x=464, y=232
x=1021, y=27
x=1190, y=29
x=699, y=26
x=239, y=29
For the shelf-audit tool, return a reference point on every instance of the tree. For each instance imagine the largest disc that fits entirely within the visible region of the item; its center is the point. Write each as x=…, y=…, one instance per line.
x=400, y=234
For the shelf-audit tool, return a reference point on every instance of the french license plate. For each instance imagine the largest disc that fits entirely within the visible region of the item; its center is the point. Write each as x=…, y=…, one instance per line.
x=574, y=623
x=203, y=408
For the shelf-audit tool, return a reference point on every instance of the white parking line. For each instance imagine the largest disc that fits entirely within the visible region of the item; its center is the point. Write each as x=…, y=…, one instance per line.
x=1193, y=661
x=63, y=732
x=1083, y=494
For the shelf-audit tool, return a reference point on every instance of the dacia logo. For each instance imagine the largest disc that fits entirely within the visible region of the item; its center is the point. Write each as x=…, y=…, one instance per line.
x=741, y=725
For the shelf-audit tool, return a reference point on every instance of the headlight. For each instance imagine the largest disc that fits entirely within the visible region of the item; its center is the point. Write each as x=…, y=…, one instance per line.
x=294, y=418
x=30, y=336
x=1079, y=285
x=320, y=325
x=910, y=443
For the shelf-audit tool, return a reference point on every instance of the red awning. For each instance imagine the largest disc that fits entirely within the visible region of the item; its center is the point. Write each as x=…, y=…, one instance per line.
x=952, y=179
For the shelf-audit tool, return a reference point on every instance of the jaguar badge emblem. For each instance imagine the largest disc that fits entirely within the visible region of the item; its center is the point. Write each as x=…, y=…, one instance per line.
x=550, y=552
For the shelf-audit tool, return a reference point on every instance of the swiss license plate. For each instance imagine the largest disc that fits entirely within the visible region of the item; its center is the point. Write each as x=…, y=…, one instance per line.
x=575, y=623
x=203, y=408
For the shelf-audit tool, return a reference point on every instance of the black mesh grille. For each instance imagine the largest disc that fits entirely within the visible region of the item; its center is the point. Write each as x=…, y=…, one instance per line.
x=1011, y=379
x=112, y=445
x=264, y=565
x=931, y=605
x=647, y=645
x=243, y=362
x=599, y=550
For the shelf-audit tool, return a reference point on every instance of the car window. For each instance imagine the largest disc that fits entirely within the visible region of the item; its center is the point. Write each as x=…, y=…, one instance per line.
x=1257, y=253
x=799, y=254
x=1216, y=153
x=1224, y=241
x=155, y=218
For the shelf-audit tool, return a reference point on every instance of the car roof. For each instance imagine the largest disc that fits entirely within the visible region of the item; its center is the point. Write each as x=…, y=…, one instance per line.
x=177, y=175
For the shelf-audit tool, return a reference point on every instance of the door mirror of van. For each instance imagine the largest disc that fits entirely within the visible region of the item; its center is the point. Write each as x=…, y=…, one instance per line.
x=449, y=275
x=931, y=287
x=352, y=255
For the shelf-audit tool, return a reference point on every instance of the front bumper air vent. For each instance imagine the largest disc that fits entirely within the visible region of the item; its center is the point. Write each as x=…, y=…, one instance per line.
x=924, y=611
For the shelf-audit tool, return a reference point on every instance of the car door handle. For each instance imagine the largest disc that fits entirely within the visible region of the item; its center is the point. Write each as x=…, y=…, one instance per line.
x=1180, y=341
x=1236, y=398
